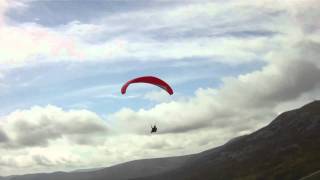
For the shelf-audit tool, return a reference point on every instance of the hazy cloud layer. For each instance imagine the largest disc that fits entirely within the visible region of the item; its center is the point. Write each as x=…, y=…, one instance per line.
x=181, y=31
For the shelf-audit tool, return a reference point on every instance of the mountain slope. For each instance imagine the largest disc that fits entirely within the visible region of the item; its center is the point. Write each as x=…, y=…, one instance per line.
x=288, y=148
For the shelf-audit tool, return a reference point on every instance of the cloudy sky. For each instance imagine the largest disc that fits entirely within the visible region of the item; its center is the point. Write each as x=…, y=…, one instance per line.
x=234, y=66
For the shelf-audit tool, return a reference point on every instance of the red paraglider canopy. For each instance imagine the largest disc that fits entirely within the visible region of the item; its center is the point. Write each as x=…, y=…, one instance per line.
x=148, y=79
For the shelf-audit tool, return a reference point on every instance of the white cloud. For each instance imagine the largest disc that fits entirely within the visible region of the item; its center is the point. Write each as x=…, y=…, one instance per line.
x=48, y=138
x=41, y=125
x=158, y=96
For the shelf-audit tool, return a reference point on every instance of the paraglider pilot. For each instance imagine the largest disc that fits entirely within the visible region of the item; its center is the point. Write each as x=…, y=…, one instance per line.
x=153, y=129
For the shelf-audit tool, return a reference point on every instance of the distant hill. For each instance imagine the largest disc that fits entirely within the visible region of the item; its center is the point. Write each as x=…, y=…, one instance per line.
x=286, y=149
x=119, y=172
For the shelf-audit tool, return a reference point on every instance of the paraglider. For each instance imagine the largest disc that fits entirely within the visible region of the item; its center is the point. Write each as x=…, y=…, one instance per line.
x=149, y=80
x=154, y=129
